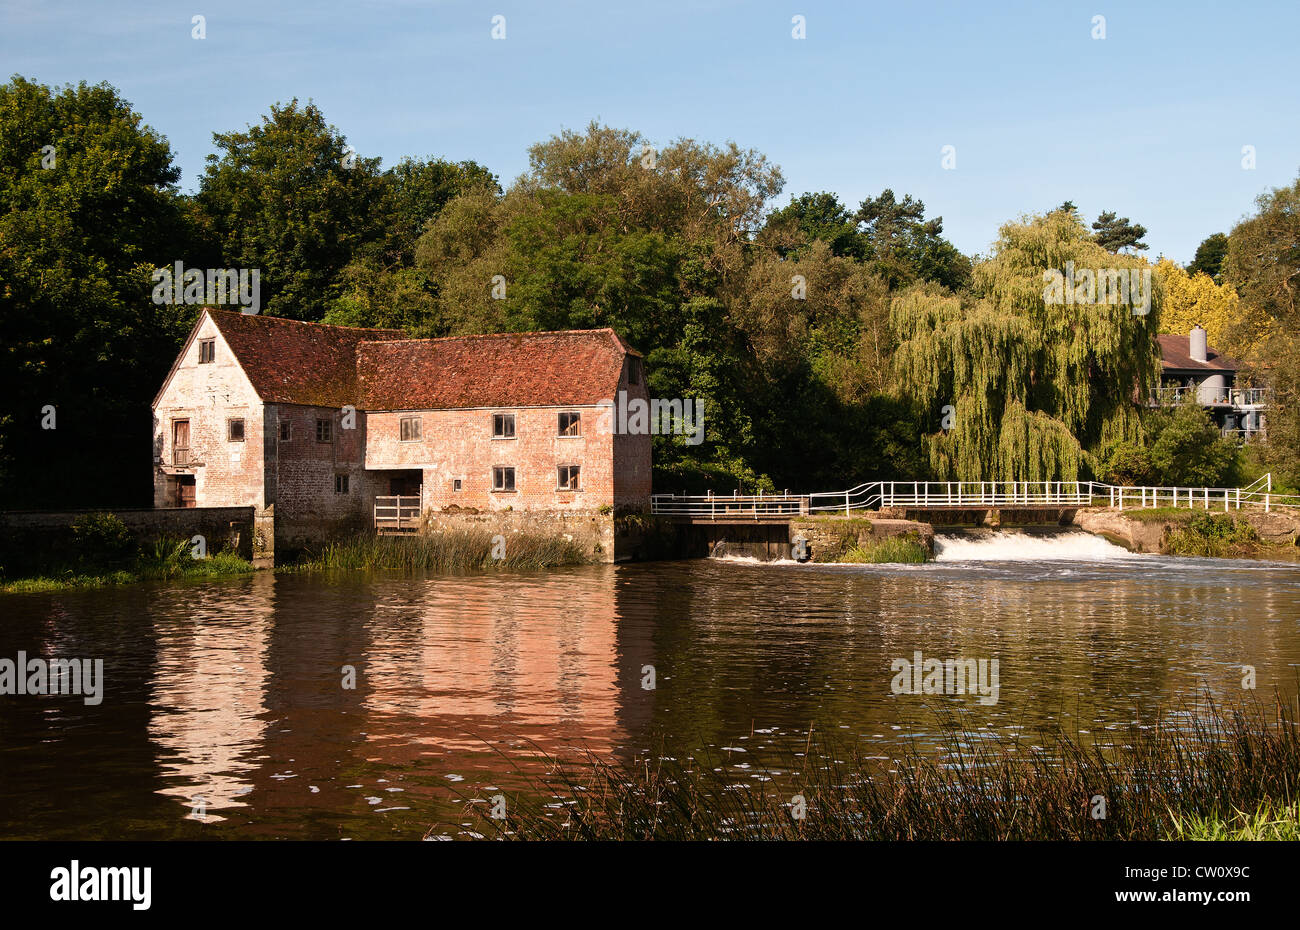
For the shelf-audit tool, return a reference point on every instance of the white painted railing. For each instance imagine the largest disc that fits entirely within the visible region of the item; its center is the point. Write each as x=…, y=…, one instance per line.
x=878, y=495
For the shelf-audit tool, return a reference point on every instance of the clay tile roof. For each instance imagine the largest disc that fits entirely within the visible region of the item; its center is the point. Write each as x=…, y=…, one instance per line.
x=1175, y=355
x=290, y=362
x=508, y=370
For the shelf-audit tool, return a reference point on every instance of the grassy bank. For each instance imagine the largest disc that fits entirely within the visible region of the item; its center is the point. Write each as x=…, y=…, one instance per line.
x=1267, y=822
x=1214, y=535
x=163, y=560
x=907, y=548
x=449, y=551
x=1161, y=514
x=1189, y=775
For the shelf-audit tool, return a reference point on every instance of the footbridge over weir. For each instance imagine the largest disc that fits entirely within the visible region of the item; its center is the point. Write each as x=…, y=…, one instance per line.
x=938, y=498
x=765, y=520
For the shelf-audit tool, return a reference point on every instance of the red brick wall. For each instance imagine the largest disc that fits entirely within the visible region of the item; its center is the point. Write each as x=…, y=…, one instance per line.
x=632, y=456
x=459, y=444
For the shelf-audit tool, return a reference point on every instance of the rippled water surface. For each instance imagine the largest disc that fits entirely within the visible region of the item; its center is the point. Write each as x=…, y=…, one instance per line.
x=230, y=694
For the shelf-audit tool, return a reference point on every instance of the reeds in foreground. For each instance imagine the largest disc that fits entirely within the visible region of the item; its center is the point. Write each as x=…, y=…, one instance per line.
x=1190, y=775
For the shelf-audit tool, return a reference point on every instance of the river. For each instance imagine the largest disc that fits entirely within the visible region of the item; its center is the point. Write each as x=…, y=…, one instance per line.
x=227, y=712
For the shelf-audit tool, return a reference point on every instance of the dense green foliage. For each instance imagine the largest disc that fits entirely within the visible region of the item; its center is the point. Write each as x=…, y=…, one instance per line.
x=1183, y=448
x=1209, y=256
x=88, y=208
x=828, y=344
x=1212, y=535
x=1263, y=264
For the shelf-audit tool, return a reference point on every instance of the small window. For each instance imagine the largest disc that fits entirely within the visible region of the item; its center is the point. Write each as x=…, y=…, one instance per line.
x=570, y=424
x=286, y=430
x=324, y=430
x=455, y=484
x=340, y=484
x=569, y=478
x=503, y=426
x=207, y=350
x=411, y=429
x=633, y=371
x=503, y=478
x=235, y=429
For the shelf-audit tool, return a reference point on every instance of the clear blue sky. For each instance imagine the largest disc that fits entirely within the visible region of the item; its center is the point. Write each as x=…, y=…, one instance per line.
x=1149, y=122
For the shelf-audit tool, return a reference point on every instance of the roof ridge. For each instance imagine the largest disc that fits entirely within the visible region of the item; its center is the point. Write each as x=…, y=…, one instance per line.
x=285, y=319
x=530, y=332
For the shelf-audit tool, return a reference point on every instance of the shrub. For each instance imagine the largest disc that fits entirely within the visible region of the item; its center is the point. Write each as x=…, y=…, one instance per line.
x=908, y=549
x=1212, y=535
x=101, y=538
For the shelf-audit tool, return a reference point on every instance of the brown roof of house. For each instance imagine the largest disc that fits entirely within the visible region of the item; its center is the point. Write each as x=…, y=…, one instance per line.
x=506, y=370
x=1174, y=354
x=291, y=362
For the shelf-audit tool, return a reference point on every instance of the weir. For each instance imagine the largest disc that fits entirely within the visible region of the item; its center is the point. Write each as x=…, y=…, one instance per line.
x=769, y=526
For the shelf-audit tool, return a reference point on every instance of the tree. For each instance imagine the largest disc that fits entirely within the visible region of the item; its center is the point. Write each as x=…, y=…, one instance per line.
x=1280, y=369
x=1035, y=383
x=1209, y=256
x=290, y=198
x=1263, y=264
x=1188, y=451
x=88, y=208
x=381, y=286
x=903, y=247
x=417, y=190
x=1263, y=260
x=811, y=218
x=1116, y=234
x=1195, y=300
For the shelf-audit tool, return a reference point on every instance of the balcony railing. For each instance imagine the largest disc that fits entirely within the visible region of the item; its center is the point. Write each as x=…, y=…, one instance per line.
x=1233, y=397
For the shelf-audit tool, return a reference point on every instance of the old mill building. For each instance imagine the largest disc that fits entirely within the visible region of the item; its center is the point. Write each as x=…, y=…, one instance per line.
x=322, y=429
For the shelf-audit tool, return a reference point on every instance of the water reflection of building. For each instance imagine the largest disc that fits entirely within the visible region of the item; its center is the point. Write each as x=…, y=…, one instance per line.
x=458, y=663
x=208, y=694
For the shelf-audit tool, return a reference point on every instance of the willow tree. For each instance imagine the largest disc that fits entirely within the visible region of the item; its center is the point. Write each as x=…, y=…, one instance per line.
x=1040, y=363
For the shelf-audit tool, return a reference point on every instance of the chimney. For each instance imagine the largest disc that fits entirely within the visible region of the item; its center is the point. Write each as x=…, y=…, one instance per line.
x=1197, y=347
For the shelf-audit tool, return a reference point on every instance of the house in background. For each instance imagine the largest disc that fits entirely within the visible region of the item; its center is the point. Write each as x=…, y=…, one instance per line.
x=1191, y=369
x=326, y=429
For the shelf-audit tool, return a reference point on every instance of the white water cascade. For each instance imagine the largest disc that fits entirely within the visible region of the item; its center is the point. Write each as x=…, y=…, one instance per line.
x=1018, y=546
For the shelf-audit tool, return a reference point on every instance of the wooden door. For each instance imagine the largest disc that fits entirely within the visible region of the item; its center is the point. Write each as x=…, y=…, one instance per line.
x=185, y=491
x=180, y=442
